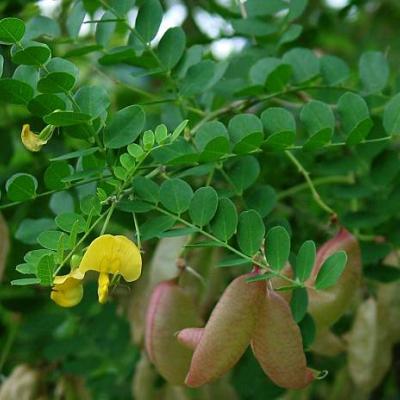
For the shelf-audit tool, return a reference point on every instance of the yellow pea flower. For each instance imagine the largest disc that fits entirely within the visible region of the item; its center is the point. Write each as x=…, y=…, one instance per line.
x=67, y=290
x=34, y=142
x=115, y=255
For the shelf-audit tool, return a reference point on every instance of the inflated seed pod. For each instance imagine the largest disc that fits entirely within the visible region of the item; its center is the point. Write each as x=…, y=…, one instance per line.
x=277, y=344
x=144, y=380
x=327, y=306
x=369, y=353
x=170, y=309
x=328, y=344
x=190, y=337
x=162, y=267
x=228, y=331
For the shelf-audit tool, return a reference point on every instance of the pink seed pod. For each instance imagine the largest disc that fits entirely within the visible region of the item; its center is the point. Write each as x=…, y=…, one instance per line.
x=170, y=309
x=327, y=306
x=190, y=337
x=277, y=344
x=228, y=331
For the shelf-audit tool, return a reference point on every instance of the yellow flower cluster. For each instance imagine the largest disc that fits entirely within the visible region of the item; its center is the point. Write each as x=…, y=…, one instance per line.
x=108, y=255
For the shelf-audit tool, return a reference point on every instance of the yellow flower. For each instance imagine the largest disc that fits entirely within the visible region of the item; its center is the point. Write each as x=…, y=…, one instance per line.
x=34, y=142
x=67, y=290
x=115, y=255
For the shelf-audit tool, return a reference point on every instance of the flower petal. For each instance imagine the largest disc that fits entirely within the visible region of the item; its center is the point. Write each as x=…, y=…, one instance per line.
x=30, y=140
x=113, y=255
x=67, y=291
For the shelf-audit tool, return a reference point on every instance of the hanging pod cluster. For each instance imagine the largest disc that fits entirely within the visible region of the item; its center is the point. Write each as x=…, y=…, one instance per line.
x=247, y=313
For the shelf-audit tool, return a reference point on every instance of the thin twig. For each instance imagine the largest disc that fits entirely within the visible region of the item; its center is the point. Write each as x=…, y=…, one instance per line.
x=310, y=183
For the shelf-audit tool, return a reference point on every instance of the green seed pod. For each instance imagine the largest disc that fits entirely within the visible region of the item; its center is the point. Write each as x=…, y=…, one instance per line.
x=327, y=306
x=144, y=380
x=170, y=309
x=278, y=346
x=228, y=331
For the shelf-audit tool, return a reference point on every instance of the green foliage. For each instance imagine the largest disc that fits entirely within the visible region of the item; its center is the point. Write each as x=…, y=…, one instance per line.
x=203, y=206
x=251, y=232
x=280, y=126
x=277, y=247
x=305, y=260
x=124, y=127
x=299, y=303
x=12, y=30
x=355, y=117
x=225, y=221
x=236, y=160
x=21, y=187
x=319, y=122
x=331, y=270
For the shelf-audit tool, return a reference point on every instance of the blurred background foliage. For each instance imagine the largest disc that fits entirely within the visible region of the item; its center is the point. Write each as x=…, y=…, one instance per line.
x=89, y=351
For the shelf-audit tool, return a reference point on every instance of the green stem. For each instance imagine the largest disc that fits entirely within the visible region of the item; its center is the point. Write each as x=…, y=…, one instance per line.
x=341, y=144
x=137, y=230
x=210, y=177
x=81, y=240
x=317, y=182
x=310, y=183
x=140, y=38
x=108, y=217
x=50, y=192
x=239, y=105
x=229, y=180
x=227, y=246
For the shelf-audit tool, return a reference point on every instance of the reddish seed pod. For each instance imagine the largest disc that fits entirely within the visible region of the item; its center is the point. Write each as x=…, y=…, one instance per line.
x=170, y=309
x=277, y=344
x=327, y=306
x=228, y=331
x=190, y=337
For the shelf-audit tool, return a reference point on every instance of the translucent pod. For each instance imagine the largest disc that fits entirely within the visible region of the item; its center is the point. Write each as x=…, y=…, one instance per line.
x=277, y=344
x=328, y=344
x=327, y=306
x=228, y=331
x=170, y=309
x=369, y=347
x=144, y=380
